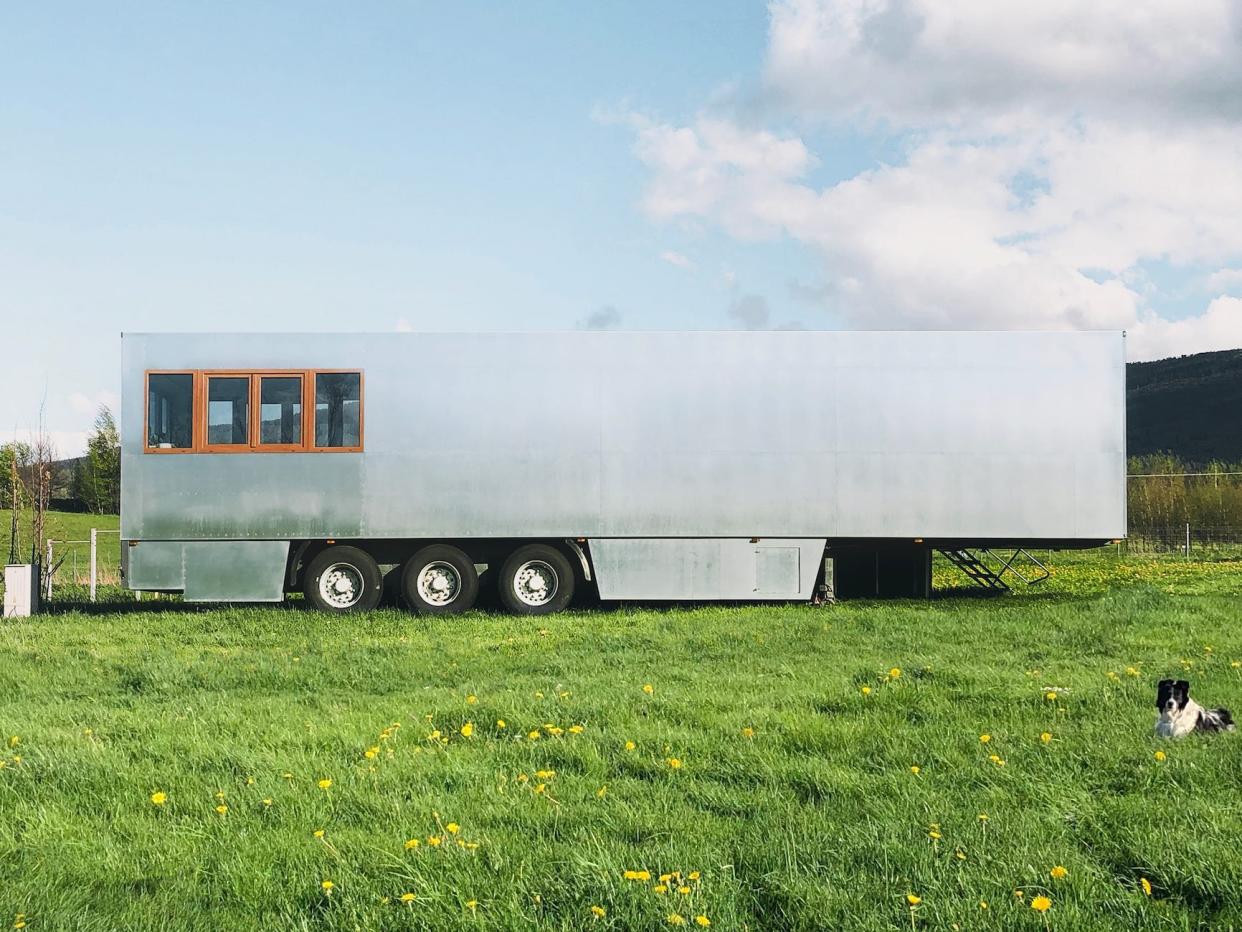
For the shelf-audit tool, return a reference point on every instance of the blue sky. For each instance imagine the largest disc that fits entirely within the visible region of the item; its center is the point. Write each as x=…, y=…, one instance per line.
x=180, y=166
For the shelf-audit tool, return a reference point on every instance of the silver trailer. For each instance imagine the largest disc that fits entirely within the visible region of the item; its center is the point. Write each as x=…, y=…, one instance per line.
x=658, y=465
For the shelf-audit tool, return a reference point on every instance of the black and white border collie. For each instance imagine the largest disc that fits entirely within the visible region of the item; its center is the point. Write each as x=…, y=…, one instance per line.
x=1180, y=715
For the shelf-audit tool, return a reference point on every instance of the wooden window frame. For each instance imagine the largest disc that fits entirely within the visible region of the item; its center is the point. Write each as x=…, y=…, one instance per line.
x=362, y=409
x=256, y=393
x=198, y=419
x=146, y=411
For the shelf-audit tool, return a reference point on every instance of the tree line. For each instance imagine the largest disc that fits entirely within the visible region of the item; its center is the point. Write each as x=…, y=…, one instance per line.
x=1164, y=492
x=91, y=482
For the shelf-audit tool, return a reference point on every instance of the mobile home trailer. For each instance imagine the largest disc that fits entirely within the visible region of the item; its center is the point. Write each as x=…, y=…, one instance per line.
x=646, y=466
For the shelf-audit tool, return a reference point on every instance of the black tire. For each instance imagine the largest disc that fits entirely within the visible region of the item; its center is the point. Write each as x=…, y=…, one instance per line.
x=454, y=563
x=357, y=569
x=547, y=567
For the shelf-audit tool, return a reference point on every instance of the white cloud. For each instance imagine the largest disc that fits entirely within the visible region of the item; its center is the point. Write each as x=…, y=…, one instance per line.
x=677, y=259
x=404, y=326
x=930, y=63
x=1220, y=326
x=1225, y=280
x=1031, y=189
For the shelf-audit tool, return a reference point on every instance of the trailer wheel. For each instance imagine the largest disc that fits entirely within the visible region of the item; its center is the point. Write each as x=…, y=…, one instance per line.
x=343, y=579
x=440, y=580
x=536, y=580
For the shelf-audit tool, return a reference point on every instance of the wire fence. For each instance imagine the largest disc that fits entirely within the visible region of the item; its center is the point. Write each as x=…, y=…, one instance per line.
x=1186, y=539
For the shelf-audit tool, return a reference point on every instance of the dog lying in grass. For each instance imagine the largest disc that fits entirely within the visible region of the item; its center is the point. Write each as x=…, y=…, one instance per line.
x=1180, y=715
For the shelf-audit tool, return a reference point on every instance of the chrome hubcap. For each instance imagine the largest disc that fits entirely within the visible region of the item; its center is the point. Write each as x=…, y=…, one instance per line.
x=438, y=583
x=341, y=585
x=535, y=582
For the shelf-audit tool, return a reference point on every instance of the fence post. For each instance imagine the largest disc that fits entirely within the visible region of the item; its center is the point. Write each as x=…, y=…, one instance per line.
x=1187, y=540
x=49, y=569
x=93, y=542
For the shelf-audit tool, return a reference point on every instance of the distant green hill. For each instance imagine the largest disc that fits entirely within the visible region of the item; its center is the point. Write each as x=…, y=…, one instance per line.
x=1190, y=406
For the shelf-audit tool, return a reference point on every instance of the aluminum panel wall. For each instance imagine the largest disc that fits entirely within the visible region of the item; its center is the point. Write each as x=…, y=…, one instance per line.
x=235, y=570
x=1015, y=436
x=663, y=568
x=155, y=564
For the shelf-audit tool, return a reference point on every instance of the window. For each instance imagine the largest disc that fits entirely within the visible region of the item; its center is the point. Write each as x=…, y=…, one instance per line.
x=280, y=410
x=170, y=410
x=254, y=411
x=338, y=409
x=228, y=410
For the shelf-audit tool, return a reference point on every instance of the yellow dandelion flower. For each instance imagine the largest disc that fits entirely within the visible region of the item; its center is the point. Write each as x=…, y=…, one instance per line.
x=598, y=912
x=220, y=794
x=702, y=920
x=325, y=783
x=694, y=875
x=500, y=723
x=1050, y=696
x=894, y=673
x=916, y=769
x=748, y=732
x=982, y=817
x=575, y=729
x=159, y=797
x=533, y=735
x=545, y=774
x=1041, y=904
x=960, y=854
x=648, y=688
x=267, y=801
x=434, y=840
x=472, y=904
x=983, y=904
x=683, y=890
x=1160, y=755
x=222, y=809
x=318, y=833
x=19, y=921
x=933, y=834
x=287, y=775
x=328, y=886
x=1146, y=885
x=1058, y=872
x=676, y=919
x=14, y=741
x=371, y=753
x=984, y=739
x=467, y=729
x=674, y=762
x=1131, y=671
x=913, y=900
x=452, y=828
x=538, y=695
x=630, y=745
x=1045, y=737
x=866, y=690
x=638, y=875
x=407, y=897
x=660, y=888
x=411, y=844
x=553, y=730
x=471, y=700
x=602, y=791
x=564, y=695
x=434, y=736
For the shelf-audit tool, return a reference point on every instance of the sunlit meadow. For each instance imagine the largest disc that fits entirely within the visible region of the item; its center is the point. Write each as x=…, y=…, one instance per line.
x=965, y=763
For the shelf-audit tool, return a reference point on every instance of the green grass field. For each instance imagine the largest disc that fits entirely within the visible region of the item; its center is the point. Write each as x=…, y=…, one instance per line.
x=71, y=535
x=762, y=757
